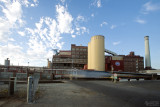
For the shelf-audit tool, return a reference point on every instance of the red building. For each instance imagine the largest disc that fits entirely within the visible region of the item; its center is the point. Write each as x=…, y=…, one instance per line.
x=128, y=63
x=114, y=63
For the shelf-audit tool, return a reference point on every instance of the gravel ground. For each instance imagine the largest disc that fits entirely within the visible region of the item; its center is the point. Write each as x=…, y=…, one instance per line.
x=91, y=93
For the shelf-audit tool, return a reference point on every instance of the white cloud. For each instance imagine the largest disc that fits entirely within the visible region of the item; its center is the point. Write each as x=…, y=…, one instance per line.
x=116, y=43
x=140, y=21
x=113, y=26
x=97, y=3
x=64, y=19
x=35, y=1
x=41, y=39
x=47, y=33
x=103, y=23
x=81, y=30
x=13, y=52
x=149, y=7
x=73, y=36
x=92, y=15
x=11, y=16
x=28, y=3
x=62, y=1
x=84, y=29
x=59, y=45
x=21, y=33
x=31, y=18
x=11, y=19
x=11, y=39
x=32, y=5
x=13, y=12
x=80, y=18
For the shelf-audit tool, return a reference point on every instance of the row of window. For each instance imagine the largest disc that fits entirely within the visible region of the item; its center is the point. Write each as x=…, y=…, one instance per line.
x=77, y=56
x=75, y=52
x=79, y=49
x=70, y=60
x=130, y=59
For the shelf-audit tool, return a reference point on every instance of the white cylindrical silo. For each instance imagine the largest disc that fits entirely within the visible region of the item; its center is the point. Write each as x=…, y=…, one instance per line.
x=89, y=55
x=147, y=53
x=92, y=56
x=7, y=62
x=97, y=53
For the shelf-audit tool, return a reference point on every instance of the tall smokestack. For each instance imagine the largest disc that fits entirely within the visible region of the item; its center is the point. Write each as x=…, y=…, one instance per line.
x=147, y=53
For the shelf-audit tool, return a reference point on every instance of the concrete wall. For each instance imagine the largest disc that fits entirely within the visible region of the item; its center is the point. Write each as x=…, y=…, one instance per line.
x=153, y=71
x=21, y=75
x=6, y=75
x=46, y=76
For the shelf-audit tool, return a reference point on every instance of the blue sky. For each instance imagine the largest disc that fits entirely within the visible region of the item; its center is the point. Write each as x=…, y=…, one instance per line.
x=30, y=29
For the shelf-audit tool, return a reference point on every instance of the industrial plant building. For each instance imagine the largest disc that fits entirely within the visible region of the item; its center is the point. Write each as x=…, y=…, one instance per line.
x=84, y=58
x=126, y=63
x=68, y=59
x=93, y=58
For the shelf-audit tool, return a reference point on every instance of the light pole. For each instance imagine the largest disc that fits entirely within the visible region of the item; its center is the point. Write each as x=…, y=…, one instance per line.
x=72, y=63
x=28, y=64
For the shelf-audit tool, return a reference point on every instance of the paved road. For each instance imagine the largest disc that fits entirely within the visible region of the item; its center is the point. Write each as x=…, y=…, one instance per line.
x=126, y=94
x=97, y=94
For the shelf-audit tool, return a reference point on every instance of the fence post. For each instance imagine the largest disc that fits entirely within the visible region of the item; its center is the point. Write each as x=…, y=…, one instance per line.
x=12, y=85
x=15, y=84
x=35, y=83
x=29, y=89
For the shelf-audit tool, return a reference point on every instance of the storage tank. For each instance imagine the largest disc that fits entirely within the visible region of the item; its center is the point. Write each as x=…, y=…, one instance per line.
x=89, y=55
x=49, y=64
x=7, y=62
x=97, y=53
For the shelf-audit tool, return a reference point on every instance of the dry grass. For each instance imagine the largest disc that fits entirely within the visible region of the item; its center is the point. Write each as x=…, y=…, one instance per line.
x=20, y=94
x=4, y=93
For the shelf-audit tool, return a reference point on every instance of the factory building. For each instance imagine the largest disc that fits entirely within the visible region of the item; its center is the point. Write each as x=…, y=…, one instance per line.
x=68, y=59
x=126, y=63
x=93, y=58
x=133, y=63
x=114, y=63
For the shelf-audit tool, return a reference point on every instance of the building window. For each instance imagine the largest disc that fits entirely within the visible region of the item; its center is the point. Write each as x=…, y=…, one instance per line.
x=73, y=49
x=84, y=49
x=73, y=56
x=73, y=52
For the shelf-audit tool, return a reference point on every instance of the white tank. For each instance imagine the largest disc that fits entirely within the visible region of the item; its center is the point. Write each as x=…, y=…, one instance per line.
x=147, y=53
x=97, y=57
x=89, y=55
x=7, y=62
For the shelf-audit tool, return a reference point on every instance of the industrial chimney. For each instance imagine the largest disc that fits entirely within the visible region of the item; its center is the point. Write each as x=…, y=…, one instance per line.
x=147, y=53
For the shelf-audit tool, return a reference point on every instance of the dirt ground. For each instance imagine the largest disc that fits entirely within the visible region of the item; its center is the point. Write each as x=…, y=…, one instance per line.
x=89, y=94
